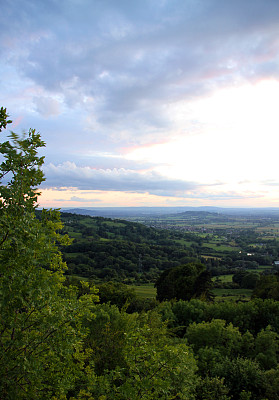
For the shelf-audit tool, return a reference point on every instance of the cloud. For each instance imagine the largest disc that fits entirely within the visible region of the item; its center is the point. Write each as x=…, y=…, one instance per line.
x=99, y=77
x=84, y=200
x=85, y=178
x=270, y=183
x=124, y=63
x=79, y=199
x=47, y=106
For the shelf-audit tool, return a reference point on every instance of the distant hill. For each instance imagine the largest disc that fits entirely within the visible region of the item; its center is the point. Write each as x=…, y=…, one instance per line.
x=120, y=212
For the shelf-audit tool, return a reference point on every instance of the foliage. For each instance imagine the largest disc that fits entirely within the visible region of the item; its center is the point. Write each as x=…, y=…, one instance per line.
x=250, y=316
x=107, y=337
x=184, y=282
x=152, y=366
x=215, y=334
x=41, y=320
x=243, y=377
x=212, y=388
x=272, y=384
x=116, y=293
x=267, y=287
x=245, y=279
x=266, y=348
x=4, y=121
x=119, y=250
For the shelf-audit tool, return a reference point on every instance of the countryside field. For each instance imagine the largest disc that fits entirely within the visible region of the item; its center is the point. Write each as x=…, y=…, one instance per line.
x=145, y=291
x=148, y=291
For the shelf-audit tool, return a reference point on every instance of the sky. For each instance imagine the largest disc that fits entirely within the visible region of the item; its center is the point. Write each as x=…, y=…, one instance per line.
x=147, y=103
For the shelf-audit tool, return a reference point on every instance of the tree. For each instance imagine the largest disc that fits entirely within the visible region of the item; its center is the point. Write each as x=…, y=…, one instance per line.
x=243, y=377
x=245, y=279
x=184, y=282
x=148, y=365
x=4, y=121
x=216, y=334
x=116, y=293
x=267, y=287
x=266, y=348
x=212, y=388
x=41, y=328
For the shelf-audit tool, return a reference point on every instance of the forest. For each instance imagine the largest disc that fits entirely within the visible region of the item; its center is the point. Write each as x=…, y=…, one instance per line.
x=70, y=327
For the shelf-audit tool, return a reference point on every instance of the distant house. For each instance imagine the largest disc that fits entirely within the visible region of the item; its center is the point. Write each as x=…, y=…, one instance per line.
x=276, y=264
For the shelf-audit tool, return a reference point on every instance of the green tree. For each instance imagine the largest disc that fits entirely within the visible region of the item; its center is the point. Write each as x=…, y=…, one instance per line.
x=216, y=334
x=245, y=279
x=212, y=388
x=150, y=366
x=243, y=377
x=267, y=287
x=41, y=328
x=116, y=293
x=4, y=121
x=184, y=282
x=107, y=337
x=266, y=348
x=272, y=384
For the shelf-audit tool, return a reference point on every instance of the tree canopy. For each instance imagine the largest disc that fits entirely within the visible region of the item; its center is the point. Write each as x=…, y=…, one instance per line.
x=184, y=282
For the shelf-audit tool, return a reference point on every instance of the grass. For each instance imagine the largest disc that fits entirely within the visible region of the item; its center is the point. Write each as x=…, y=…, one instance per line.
x=81, y=278
x=145, y=291
x=232, y=294
x=260, y=268
x=148, y=291
x=74, y=235
x=184, y=242
x=220, y=247
x=223, y=278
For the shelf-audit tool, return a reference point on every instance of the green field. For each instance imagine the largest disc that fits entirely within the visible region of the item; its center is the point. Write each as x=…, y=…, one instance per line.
x=220, y=247
x=232, y=294
x=148, y=291
x=145, y=291
x=223, y=278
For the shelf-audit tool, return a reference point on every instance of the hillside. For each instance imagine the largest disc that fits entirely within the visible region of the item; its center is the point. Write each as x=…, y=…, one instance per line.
x=131, y=252
x=103, y=248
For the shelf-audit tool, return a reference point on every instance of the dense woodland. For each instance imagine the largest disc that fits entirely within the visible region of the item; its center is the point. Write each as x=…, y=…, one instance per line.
x=63, y=337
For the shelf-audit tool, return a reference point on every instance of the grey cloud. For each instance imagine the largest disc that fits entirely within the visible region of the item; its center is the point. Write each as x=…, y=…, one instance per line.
x=117, y=66
x=96, y=160
x=133, y=57
x=85, y=178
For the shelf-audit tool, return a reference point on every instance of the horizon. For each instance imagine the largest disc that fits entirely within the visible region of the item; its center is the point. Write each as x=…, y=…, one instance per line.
x=147, y=104
x=124, y=207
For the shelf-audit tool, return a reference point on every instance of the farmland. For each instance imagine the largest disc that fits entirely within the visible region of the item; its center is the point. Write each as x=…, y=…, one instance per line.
x=136, y=249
